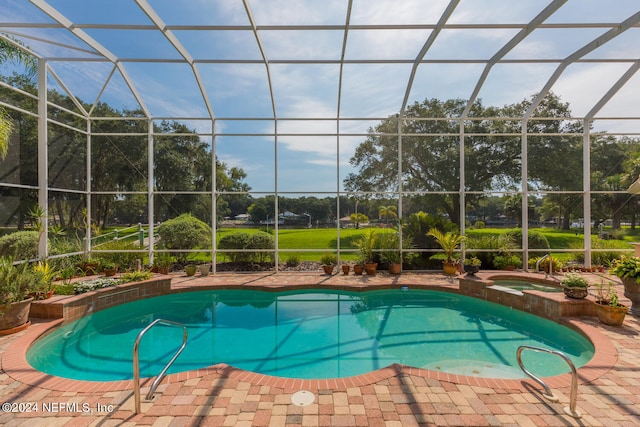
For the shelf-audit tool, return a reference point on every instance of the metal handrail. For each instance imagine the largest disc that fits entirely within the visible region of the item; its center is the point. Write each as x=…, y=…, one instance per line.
x=540, y=261
x=136, y=362
x=571, y=409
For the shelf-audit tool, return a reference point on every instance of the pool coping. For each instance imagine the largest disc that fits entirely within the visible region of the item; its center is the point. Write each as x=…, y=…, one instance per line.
x=15, y=364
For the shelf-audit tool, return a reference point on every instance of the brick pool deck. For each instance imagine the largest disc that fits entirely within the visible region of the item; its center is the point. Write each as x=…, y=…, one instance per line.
x=608, y=394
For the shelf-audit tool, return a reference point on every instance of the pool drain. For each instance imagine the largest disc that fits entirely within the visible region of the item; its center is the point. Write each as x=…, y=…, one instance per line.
x=302, y=398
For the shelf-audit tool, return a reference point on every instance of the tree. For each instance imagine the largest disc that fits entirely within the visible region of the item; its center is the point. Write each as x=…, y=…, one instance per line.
x=10, y=52
x=616, y=165
x=430, y=148
x=357, y=218
x=387, y=212
x=431, y=152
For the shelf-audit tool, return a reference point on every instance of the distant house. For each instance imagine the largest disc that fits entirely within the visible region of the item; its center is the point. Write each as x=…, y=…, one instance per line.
x=242, y=217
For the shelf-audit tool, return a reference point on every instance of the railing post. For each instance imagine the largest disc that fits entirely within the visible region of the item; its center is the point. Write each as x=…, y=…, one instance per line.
x=140, y=235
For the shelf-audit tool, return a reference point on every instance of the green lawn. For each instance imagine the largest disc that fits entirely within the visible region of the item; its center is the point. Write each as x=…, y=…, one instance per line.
x=309, y=239
x=323, y=239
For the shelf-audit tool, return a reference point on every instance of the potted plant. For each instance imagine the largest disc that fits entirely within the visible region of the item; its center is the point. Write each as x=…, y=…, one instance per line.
x=346, y=267
x=449, y=242
x=471, y=265
x=389, y=243
x=366, y=245
x=89, y=266
x=44, y=279
x=328, y=262
x=109, y=268
x=358, y=268
x=628, y=270
x=162, y=261
x=16, y=282
x=575, y=286
x=608, y=308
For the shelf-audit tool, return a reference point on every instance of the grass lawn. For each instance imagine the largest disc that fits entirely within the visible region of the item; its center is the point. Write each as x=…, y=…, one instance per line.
x=309, y=244
x=308, y=239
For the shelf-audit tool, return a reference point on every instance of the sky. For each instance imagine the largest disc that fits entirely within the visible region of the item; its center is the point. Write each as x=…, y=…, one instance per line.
x=309, y=96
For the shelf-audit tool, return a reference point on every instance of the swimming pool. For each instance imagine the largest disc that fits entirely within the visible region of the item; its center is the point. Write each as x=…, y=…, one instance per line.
x=309, y=334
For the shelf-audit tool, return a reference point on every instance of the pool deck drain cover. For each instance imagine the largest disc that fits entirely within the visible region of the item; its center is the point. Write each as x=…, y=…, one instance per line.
x=302, y=398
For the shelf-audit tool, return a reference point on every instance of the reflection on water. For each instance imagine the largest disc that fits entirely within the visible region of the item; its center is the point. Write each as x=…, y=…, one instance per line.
x=308, y=334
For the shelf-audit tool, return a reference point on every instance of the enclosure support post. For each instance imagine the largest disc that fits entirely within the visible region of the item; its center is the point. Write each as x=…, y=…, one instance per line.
x=150, y=198
x=525, y=197
x=43, y=155
x=586, y=191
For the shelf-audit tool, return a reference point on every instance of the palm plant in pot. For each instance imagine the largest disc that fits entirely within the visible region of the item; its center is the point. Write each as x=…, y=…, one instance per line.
x=449, y=243
x=366, y=244
x=17, y=281
x=628, y=270
x=389, y=244
x=575, y=286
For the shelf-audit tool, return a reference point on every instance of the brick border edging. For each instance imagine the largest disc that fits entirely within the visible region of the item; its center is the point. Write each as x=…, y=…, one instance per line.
x=15, y=365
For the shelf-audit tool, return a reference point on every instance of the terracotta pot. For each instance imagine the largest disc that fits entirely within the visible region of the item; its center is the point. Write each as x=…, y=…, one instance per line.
x=345, y=269
x=110, y=271
x=15, y=315
x=371, y=268
x=358, y=269
x=395, y=268
x=328, y=269
x=612, y=316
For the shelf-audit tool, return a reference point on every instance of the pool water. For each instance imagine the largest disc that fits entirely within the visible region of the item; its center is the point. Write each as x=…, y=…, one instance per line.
x=309, y=334
x=521, y=285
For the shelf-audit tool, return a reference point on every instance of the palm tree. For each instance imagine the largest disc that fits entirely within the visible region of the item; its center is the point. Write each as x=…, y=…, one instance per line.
x=387, y=212
x=10, y=52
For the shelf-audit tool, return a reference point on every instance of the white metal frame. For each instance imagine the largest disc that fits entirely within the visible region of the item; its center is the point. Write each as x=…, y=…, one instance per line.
x=94, y=51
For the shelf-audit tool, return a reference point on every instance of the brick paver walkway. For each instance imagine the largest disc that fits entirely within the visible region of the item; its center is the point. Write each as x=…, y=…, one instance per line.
x=222, y=396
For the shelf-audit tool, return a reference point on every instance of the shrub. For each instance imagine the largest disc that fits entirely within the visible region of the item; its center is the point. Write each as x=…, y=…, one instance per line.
x=122, y=259
x=489, y=244
x=21, y=245
x=135, y=276
x=536, y=239
x=418, y=225
x=244, y=242
x=292, y=261
x=236, y=241
x=261, y=240
x=478, y=224
x=184, y=232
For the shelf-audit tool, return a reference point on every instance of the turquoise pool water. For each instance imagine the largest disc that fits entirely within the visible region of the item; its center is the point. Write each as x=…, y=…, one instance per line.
x=309, y=334
x=522, y=285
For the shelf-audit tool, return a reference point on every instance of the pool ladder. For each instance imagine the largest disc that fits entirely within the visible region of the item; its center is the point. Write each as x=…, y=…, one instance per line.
x=546, y=273
x=136, y=362
x=571, y=409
